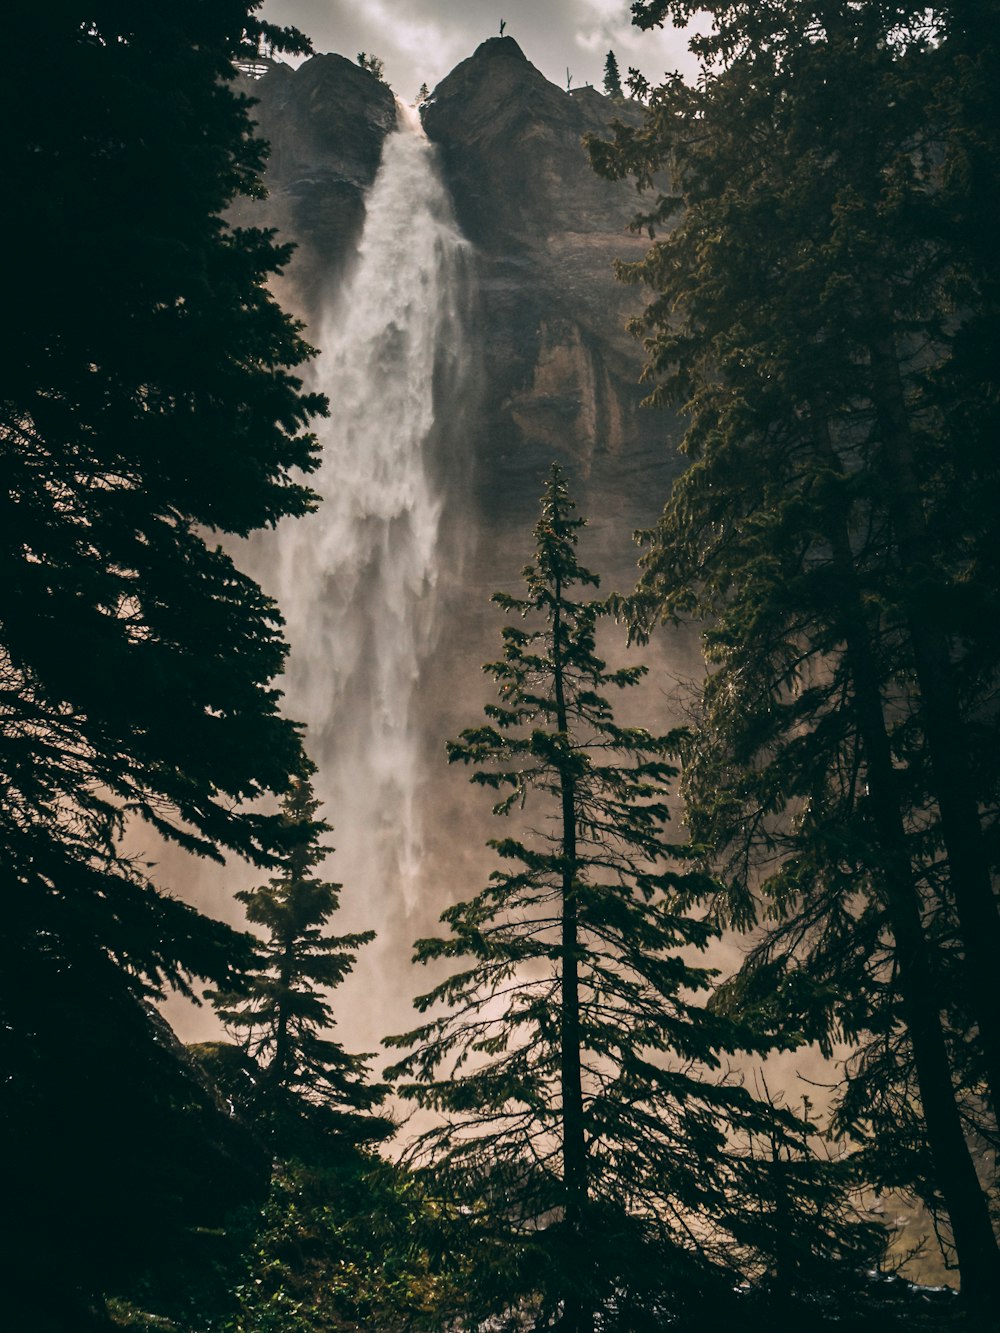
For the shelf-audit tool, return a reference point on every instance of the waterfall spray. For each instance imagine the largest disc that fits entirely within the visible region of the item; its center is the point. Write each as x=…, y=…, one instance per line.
x=359, y=580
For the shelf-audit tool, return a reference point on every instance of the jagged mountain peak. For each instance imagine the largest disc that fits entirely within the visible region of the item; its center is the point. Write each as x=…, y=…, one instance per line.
x=511, y=143
x=497, y=57
x=497, y=91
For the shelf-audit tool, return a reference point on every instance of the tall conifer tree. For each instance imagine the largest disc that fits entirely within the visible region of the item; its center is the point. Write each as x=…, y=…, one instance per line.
x=571, y=1071
x=148, y=401
x=283, y=1014
x=612, y=76
x=830, y=528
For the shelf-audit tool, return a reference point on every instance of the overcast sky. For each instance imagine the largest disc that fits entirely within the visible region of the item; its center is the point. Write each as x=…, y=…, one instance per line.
x=422, y=40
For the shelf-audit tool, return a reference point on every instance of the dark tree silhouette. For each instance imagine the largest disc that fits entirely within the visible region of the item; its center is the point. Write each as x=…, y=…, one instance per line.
x=831, y=529
x=612, y=77
x=571, y=1069
x=282, y=1014
x=147, y=403
x=373, y=64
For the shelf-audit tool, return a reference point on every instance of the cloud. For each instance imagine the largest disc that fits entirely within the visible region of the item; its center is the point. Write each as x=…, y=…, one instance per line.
x=416, y=40
x=422, y=40
x=419, y=40
x=603, y=25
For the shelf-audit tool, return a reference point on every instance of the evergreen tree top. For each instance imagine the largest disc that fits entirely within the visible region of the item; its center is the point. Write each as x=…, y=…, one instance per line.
x=555, y=543
x=285, y=1009
x=612, y=76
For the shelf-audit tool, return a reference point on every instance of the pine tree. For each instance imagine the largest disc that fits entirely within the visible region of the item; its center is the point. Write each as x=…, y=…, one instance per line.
x=830, y=533
x=148, y=402
x=570, y=1069
x=283, y=1011
x=373, y=64
x=612, y=78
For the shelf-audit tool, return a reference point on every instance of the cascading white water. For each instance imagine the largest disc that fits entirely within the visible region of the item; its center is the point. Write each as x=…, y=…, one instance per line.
x=358, y=581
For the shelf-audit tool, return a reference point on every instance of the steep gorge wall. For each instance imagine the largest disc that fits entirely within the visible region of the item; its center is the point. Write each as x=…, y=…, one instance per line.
x=557, y=371
x=560, y=370
x=325, y=124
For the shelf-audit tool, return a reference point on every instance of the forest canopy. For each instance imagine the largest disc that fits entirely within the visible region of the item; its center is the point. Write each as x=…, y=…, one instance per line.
x=824, y=312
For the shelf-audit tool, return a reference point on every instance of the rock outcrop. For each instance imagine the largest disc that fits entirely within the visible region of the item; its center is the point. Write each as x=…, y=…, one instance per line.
x=557, y=372
x=560, y=371
x=325, y=123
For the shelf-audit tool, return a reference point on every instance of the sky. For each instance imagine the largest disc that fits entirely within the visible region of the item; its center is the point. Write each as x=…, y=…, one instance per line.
x=420, y=41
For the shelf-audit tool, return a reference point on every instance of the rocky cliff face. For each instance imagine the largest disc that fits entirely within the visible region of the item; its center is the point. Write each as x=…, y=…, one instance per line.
x=325, y=124
x=560, y=370
x=557, y=371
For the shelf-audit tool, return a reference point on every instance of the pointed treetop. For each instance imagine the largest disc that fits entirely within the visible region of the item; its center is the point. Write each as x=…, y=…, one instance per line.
x=612, y=76
x=285, y=1014
x=555, y=540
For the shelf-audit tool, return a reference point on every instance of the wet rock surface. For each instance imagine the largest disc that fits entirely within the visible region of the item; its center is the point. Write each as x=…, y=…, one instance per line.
x=555, y=372
x=325, y=123
x=560, y=371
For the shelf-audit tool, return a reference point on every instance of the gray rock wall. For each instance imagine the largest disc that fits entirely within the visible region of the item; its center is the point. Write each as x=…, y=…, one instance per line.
x=556, y=371
x=325, y=123
x=560, y=372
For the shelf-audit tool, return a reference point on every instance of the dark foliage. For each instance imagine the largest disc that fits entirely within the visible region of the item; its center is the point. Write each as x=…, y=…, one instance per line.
x=819, y=281
x=344, y=1240
x=147, y=400
x=611, y=1176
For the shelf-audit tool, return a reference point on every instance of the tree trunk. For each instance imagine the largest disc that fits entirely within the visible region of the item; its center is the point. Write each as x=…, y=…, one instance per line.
x=979, y=1259
x=975, y=1243
x=576, y=1318
x=278, y=1071
x=961, y=830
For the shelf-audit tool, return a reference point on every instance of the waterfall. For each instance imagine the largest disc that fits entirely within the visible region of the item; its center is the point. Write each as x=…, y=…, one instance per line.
x=360, y=580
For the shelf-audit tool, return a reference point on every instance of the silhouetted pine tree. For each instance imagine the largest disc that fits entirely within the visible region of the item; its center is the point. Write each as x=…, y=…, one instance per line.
x=283, y=1015
x=571, y=1069
x=148, y=402
x=612, y=76
x=818, y=275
